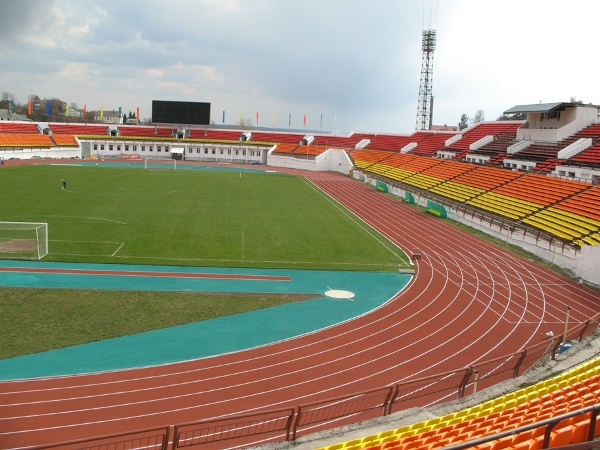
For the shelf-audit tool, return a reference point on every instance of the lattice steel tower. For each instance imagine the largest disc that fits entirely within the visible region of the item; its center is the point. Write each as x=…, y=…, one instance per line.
x=425, y=107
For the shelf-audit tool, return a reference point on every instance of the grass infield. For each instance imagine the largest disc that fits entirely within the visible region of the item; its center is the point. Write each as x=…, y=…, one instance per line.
x=166, y=217
x=184, y=217
x=55, y=318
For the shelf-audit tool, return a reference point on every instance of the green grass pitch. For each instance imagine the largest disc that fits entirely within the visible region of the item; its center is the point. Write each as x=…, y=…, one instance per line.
x=191, y=217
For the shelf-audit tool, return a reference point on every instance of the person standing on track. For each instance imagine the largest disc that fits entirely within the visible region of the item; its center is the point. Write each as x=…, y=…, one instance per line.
x=64, y=184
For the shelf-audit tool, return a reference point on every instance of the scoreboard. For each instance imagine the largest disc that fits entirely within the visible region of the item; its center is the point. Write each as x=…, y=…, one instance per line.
x=184, y=113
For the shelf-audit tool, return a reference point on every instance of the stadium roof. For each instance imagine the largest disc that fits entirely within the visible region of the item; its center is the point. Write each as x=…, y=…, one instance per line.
x=543, y=107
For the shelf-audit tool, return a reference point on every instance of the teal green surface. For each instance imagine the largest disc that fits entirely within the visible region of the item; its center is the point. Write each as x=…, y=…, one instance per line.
x=200, y=339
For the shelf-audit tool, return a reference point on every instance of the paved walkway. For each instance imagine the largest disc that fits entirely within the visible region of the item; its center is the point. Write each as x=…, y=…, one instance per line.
x=200, y=339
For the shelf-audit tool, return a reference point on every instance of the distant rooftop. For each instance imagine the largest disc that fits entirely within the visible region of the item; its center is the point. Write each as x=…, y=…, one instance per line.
x=545, y=107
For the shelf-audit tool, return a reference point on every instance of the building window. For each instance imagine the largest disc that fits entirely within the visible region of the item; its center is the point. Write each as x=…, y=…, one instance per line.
x=102, y=147
x=198, y=150
x=213, y=151
x=237, y=152
x=95, y=146
x=110, y=147
x=258, y=153
x=127, y=148
x=166, y=148
x=221, y=151
x=151, y=148
x=229, y=151
x=118, y=148
x=143, y=148
x=189, y=149
x=243, y=152
x=158, y=148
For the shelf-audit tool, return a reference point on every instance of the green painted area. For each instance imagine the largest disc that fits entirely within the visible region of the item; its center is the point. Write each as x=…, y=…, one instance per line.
x=436, y=209
x=229, y=218
x=206, y=338
x=381, y=187
x=409, y=198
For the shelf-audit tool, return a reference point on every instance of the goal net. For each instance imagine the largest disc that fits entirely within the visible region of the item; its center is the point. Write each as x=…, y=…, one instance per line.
x=23, y=240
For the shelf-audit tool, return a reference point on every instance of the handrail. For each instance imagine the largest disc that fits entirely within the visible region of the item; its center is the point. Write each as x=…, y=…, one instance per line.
x=548, y=423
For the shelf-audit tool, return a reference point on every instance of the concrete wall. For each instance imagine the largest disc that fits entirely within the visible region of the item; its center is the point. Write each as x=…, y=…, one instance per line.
x=52, y=152
x=589, y=264
x=334, y=160
x=291, y=162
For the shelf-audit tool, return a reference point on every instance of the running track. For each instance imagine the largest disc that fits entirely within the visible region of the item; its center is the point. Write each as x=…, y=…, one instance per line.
x=468, y=302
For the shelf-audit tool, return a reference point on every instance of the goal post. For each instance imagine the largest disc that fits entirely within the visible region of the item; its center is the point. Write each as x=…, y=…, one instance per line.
x=23, y=240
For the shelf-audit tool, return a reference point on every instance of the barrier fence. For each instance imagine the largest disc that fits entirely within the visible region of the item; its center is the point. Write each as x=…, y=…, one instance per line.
x=288, y=423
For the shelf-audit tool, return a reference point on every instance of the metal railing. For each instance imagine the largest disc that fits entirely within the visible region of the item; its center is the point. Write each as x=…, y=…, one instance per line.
x=288, y=423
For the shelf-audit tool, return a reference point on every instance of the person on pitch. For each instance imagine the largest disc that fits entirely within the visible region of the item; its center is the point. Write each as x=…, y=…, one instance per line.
x=64, y=184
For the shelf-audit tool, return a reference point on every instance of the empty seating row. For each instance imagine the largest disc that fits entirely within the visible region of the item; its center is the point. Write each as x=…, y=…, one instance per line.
x=430, y=145
x=423, y=181
x=285, y=138
x=481, y=130
x=590, y=155
x=569, y=391
x=504, y=205
x=541, y=189
x=487, y=178
x=25, y=140
x=12, y=127
x=147, y=131
x=64, y=140
x=449, y=170
x=349, y=141
x=585, y=204
x=211, y=133
x=364, y=158
x=85, y=129
x=285, y=148
x=456, y=191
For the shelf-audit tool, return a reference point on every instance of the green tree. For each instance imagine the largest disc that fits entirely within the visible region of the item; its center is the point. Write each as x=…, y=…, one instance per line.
x=464, y=122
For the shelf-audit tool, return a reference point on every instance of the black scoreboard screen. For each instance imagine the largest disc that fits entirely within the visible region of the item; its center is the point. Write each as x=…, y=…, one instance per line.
x=188, y=113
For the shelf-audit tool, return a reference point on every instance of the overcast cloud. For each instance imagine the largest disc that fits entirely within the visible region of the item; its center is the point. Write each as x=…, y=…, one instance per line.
x=357, y=60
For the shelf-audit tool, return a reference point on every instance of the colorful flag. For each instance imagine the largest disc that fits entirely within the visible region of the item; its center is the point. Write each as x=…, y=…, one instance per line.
x=273, y=119
x=121, y=114
x=256, y=118
x=304, y=119
x=101, y=112
x=67, y=111
x=223, y=116
x=137, y=113
x=84, y=110
x=290, y=120
x=240, y=118
x=47, y=108
x=29, y=108
x=321, y=121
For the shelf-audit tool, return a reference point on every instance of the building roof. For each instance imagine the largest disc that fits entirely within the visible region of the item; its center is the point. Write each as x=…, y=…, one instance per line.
x=544, y=107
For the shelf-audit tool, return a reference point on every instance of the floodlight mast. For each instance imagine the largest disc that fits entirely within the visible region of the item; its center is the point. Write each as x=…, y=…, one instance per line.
x=425, y=106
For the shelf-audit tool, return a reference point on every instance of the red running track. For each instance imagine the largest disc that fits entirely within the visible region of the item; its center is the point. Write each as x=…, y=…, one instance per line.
x=468, y=302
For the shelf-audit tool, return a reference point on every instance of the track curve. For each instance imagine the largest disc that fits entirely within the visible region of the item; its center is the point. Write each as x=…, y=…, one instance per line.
x=469, y=301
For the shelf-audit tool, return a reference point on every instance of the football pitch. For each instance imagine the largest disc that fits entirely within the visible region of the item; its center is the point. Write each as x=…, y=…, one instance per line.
x=227, y=218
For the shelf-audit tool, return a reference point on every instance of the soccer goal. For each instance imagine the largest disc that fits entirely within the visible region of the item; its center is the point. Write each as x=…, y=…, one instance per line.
x=23, y=240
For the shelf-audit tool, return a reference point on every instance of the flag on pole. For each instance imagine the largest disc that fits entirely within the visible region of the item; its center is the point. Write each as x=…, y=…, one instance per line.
x=67, y=111
x=304, y=119
x=47, y=108
x=290, y=120
x=321, y=121
x=101, y=112
x=120, y=114
x=84, y=110
x=256, y=118
x=273, y=119
x=29, y=108
x=137, y=113
x=240, y=118
x=223, y=116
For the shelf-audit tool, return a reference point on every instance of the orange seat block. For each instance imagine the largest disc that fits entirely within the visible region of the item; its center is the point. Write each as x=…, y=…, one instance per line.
x=560, y=437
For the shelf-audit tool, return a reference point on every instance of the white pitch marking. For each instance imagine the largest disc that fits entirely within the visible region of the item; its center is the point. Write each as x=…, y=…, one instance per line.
x=120, y=246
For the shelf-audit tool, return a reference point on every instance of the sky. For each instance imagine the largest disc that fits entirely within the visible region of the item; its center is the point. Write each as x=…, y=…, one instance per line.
x=355, y=63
